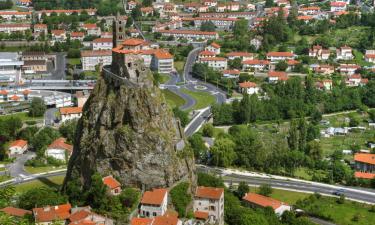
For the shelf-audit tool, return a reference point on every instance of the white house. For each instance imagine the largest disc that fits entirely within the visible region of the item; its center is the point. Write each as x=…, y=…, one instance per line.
x=112, y=184
x=231, y=73
x=92, y=29
x=216, y=63
x=154, y=203
x=280, y=56
x=248, y=87
x=92, y=58
x=59, y=150
x=261, y=201
x=213, y=47
x=17, y=147
x=102, y=44
x=206, y=54
x=255, y=64
x=244, y=56
x=70, y=113
x=338, y=6
x=77, y=36
x=58, y=35
x=276, y=76
x=348, y=69
x=370, y=56
x=162, y=61
x=14, y=27
x=210, y=200
x=318, y=52
x=344, y=53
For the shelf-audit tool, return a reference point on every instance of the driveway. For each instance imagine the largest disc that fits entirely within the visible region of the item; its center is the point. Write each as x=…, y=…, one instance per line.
x=50, y=116
x=59, y=72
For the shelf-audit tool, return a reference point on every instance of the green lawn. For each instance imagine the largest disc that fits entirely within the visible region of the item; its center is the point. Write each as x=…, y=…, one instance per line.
x=22, y=115
x=43, y=169
x=74, y=61
x=290, y=197
x=172, y=99
x=4, y=178
x=179, y=65
x=91, y=74
x=164, y=78
x=54, y=182
x=203, y=99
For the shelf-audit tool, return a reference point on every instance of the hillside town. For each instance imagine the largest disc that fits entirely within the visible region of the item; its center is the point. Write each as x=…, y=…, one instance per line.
x=173, y=112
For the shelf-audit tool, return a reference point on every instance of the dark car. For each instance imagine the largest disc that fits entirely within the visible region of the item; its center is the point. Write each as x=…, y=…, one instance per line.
x=338, y=192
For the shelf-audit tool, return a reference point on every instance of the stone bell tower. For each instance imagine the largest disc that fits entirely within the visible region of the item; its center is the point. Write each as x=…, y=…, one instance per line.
x=118, y=27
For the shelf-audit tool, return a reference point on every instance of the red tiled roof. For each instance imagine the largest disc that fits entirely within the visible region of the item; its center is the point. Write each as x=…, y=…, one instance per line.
x=3, y=92
x=235, y=72
x=247, y=84
x=338, y=4
x=215, y=45
x=365, y=158
x=133, y=42
x=240, y=54
x=310, y=8
x=154, y=197
x=26, y=92
x=15, y=211
x=14, y=13
x=304, y=17
x=162, y=54
x=147, y=9
x=279, y=74
x=256, y=62
x=280, y=54
x=141, y=221
x=363, y=175
x=70, y=110
x=370, y=56
x=40, y=26
x=95, y=53
x=16, y=25
x=209, y=192
x=60, y=144
x=80, y=215
x=52, y=213
x=77, y=34
x=262, y=201
x=201, y=215
x=58, y=32
x=101, y=40
x=14, y=98
x=111, y=182
x=292, y=62
x=18, y=143
x=83, y=222
x=208, y=53
x=90, y=26
x=165, y=220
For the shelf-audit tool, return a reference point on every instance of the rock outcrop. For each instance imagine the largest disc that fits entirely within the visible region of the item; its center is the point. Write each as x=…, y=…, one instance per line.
x=128, y=131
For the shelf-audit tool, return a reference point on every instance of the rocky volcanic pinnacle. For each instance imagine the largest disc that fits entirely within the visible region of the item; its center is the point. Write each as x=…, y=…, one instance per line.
x=130, y=133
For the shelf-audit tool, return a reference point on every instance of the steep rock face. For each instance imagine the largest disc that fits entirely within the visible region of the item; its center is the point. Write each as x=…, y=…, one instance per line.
x=129, y=132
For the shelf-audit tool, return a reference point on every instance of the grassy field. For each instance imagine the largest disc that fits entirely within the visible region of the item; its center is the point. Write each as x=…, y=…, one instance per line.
x=4, y=178
x=54, y=182
x=203, y=99
x=22, y=115
x=179, y=65
x=290, y=197
x=43, y=169
x=164, y=78
x=74, y=61
x=172, y=99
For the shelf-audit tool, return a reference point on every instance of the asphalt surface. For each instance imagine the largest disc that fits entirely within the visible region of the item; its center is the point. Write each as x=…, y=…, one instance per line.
x=16, y=169
x=59, y=73
x=353, y=193
x=50, y=116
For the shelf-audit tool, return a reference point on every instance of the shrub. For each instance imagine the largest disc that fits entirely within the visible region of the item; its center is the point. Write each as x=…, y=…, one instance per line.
x=181, y=198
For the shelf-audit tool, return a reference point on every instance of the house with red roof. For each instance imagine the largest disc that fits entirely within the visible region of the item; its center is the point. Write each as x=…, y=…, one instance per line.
x=16, y=212
x=17, y=147
x=77, y=36
x=206, y=54
x=348, y=69
x=255, y=65
x=167, y=219
x=364, y=165
x=209, y=200
x=147, y=11
x=344, y=53
x=231, y=73
x=260, y=201
x=113, y=185
x=280, y=56
x=162, y=61
x=59, y=149
x=319, y=52
x=70, y=113
x=276, y=76
x=216, y=63
x=91, y=58
x=244, y=56
x=92, y=29
x=154, y=203
x=58, y=35
x=49, y=214
x=84, y=216
x=40, y=29
x=338, y=6
x=248, y=88
x=213, y=47
x=370, y=56
x=102, y=44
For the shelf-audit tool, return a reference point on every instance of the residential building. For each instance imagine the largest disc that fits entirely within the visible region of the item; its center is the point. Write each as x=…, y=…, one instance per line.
x=154, y=203
x=10, y=67
x=256, y=200
x=92, y=29
x=318, y=52
x=40, y=29
x=135, y=44
x=245, y=15
x=231, y=73
x=216, y=63
x=190, y=34
x=112, y=184
x=344, y=53
x=370, y=56
x=11, y=15
x=58, y=35
x=244, y=56
x=77, y=36
x=82, y=97
x=17, y=147
x=325, y=85
x=365, y=165
x=48, y=12
x=14, y=27
x=162, y=61
x=324, y=69
x=33, y=55
x=52, y=214
x=210, y=200
x=58, y=149
x=255, y=64
x=35, y=66
x=168, y=219
x=280, y=56
x=220, y=23
x=25, y=3
x=348, y=69
x=206, y=54
x=248, y=88
x=309, y=10
x=15, y=212
x=276, y=76
x=102, y=44
x=338, y=6
x=90, y=59
x=84, y=216
x=213, y=47
x=171, y=25
x=147, y=11
x=70, y=113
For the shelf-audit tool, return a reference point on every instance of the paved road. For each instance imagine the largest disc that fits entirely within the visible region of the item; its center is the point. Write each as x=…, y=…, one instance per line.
x=50, y=116
x=59, y=73
x=353, y=193
x=16, y=169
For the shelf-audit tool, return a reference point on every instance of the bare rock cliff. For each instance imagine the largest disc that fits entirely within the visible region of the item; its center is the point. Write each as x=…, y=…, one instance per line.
x=129, y=132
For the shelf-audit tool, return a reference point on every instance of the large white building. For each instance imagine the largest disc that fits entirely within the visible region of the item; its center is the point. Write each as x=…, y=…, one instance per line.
x=92, y=58
x=190, y=34
x=102, y=44
x=10, y=67
x=162, y=61
x=70, y=113
x=154, y=203
x=14, y=27
x=210, y=200
x=17, y=147
x=10, y=15
x=280, y=56
x=59, y=150
x=216, y=63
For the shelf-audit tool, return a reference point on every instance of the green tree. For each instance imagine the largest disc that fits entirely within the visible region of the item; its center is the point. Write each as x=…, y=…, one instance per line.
x=265, y=189
x=240, y=28
x=39, y=197
x=136, y=12
x=208, y=26
x=208, y=130
x=68, y=129
x=281, y=66
x=197, y=143
x=181, y=198
x=209, y=180
x=28, y=133
x=223, y=153
x=181, y=115
x=129, y=197
x=147, y=3
x=269, y=4
x=242, y=189
x=314, y=150
x=6, y=195
x=96, y=195
x=293, y=135
x=235, y=63
x=37, y=107
x=42, y=139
